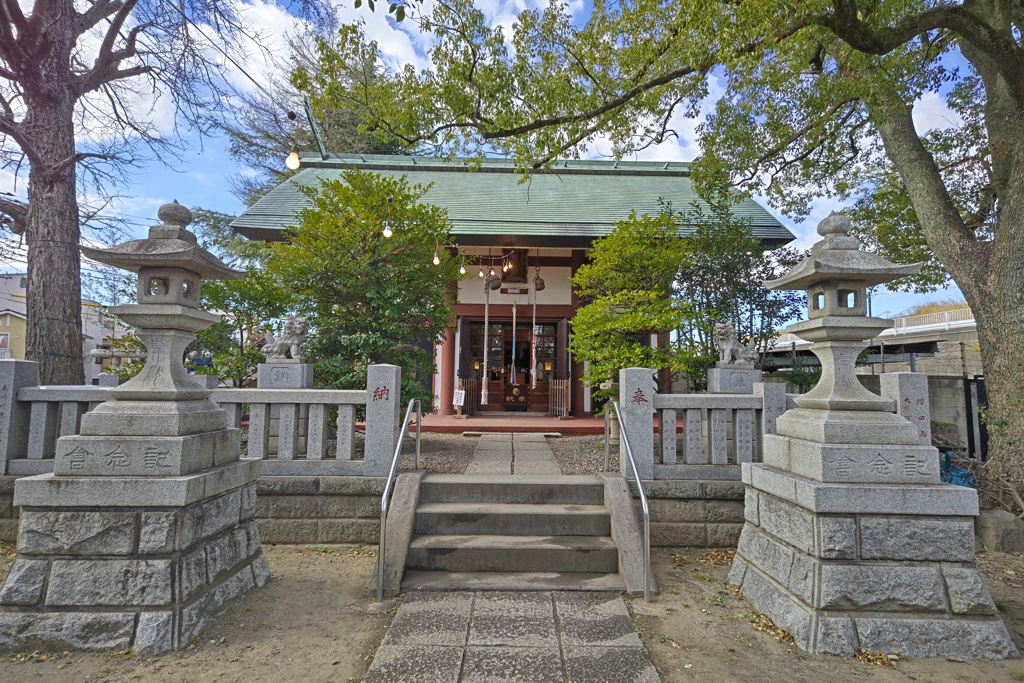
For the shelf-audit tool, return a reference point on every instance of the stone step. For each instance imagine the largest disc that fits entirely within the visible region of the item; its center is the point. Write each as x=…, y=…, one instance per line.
x=512, y=581
x=507, y=519
x=490, y=553
x=510, y=488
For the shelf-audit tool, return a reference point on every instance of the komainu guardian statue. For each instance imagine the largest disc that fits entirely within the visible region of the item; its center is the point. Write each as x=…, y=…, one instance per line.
x=291, y=340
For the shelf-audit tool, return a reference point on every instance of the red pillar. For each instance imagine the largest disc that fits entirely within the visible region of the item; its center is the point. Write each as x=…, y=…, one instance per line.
x=576, y=383
x=447, y=373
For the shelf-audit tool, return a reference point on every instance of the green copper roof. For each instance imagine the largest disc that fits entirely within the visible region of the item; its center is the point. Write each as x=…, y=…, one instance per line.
x=567, y=206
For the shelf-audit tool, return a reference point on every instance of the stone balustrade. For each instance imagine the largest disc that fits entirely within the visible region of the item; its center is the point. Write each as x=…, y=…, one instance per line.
x=707, y=437
x=54, y=411
x=718, y=433
x=33, y=417
x=313, y=451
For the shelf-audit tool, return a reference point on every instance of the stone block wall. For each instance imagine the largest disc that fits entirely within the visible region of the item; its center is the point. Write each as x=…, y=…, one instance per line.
x=8, y=513
x=148, y=578
x=703, y=514
x=842, y=581
x=319, y=509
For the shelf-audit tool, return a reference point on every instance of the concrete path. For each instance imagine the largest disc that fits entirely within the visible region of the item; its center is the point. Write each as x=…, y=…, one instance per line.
x=516, y=453
x=530, y=637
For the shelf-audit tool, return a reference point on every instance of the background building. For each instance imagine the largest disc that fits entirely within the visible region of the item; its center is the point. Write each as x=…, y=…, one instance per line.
x=95, y=327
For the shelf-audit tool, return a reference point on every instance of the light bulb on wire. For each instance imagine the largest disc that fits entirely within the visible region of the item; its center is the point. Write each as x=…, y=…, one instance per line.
x=492, y=270
x=437, y=258
x=387, y=229
x=462, y=268
x=481, y=272
x=292, y=160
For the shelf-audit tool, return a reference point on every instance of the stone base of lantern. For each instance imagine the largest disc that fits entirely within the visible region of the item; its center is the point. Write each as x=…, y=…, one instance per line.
x=883, y=567
x=139, y=562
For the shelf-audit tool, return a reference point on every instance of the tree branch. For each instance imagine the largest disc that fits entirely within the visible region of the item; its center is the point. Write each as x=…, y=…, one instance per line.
x=95, y=14
x=1005, y=54
x=17, y=211
x=107, y=58
x=63, y=165
x=943, y=225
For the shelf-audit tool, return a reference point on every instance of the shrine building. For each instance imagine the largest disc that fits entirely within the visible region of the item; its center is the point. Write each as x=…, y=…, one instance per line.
x=541, y=229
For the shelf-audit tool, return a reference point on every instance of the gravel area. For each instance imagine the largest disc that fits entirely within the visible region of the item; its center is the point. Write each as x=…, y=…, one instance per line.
x=583, y=454
x=439, y=453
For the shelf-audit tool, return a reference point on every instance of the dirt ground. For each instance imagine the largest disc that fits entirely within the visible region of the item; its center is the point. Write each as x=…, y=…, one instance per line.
x=700, y=629
x=312, y=623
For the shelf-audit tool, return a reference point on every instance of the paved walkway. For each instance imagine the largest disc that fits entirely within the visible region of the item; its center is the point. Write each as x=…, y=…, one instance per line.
x=513, y=454
x=531, y=637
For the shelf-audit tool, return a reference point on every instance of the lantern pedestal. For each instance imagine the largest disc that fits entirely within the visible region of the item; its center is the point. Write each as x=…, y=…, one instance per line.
x=883, y=567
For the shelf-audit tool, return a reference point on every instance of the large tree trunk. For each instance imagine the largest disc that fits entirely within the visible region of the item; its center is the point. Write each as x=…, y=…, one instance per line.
x=54, y=336
x=989, y=272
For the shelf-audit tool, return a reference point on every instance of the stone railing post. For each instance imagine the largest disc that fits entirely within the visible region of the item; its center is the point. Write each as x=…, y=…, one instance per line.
x=773, y=405
x=637, y=387
x=383, y=418
x=773, y=398
x=910, y=392
x=14, y=415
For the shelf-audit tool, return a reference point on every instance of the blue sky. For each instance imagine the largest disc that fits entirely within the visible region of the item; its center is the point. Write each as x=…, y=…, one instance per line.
x=201, y=179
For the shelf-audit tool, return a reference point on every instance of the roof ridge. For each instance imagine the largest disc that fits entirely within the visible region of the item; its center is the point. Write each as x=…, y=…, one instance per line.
x=494, y=164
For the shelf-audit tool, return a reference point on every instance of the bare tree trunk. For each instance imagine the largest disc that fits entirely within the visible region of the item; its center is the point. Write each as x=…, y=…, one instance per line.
x=54, y=337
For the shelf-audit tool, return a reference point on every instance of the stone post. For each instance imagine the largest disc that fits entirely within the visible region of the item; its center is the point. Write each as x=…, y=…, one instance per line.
x=15, y=415
x=773, y=405
x=910, y=392
x=107, y=380
x=286, y=374
x=732, y=379
x=637, y=387
x=383, y=418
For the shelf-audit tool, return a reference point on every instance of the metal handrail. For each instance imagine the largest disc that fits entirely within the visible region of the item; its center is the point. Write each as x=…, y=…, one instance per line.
x=384, y=501
x=624, y=441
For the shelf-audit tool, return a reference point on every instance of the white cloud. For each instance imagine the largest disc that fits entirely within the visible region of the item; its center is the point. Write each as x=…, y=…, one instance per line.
x=931, y=112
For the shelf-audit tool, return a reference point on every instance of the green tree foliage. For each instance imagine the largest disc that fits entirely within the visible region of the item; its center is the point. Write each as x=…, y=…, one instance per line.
x=641, y=254
x=231, y=348
x=263, y=130
x=679, y=272
x=627, y=290
x=721, y=269
x=370, y=298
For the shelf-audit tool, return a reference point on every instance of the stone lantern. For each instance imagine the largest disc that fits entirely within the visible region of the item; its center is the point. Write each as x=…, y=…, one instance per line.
x=850, y=539
x=146, y=526
x=163, y=409
x=836, y=276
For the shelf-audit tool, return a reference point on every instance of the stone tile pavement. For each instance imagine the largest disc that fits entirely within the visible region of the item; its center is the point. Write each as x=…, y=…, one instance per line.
x=517, y=453
x=528, y=637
